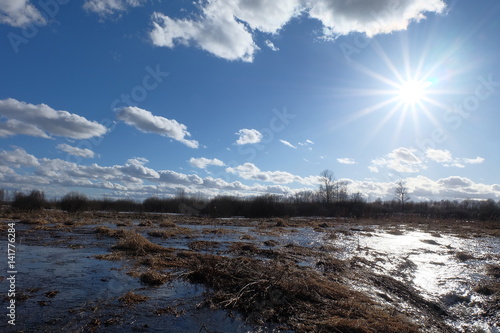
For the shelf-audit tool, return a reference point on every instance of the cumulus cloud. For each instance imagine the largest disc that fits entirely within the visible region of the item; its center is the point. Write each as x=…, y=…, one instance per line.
x=21, y=170
x=248, y=136
x=252, y=172
x=370, y=17
x=109, y=7
x=400, y=160
x=271, y=45
x=438, y=155
x=346, y=160
x=446, y=158
x=19, y=13
x=17, y=158
x=75, y=151
x=203, y=162
x=288, y=144
x=226, y=28
x=146, y=122
x=43, y=121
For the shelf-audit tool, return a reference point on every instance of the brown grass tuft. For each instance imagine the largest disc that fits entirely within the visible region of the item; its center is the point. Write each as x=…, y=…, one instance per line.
x=132, y=298
x=154, y=278
x=136, y=244
x=279, y=292
x=167, y=223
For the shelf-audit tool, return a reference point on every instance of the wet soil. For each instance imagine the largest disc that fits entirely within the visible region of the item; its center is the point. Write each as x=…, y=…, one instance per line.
x=106, y=272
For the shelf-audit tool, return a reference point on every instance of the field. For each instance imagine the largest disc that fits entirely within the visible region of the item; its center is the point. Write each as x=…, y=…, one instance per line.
x=112, y=272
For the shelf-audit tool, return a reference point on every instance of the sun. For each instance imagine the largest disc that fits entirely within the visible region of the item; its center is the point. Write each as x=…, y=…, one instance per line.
x=412, y=92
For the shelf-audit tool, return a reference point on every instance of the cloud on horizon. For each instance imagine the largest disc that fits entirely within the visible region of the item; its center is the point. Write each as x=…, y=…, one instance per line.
x=23, y=171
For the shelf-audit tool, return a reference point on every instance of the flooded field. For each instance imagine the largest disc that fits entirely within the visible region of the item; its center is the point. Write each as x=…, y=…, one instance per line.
x=160, y=273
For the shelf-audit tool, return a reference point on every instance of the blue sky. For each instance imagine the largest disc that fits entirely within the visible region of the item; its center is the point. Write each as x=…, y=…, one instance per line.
x=133, y=98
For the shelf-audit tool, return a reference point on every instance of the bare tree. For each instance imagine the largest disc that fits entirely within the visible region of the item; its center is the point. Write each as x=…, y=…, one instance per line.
x=401, y=193
x=327, y=187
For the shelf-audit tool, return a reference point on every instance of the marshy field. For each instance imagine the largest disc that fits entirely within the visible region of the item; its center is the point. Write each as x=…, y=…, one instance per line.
x=131, y=272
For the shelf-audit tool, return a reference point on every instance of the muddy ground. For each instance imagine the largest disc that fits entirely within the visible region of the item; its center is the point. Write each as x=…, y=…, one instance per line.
x=103, y=272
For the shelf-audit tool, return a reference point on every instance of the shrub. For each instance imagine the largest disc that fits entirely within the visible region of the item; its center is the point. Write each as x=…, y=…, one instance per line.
x=74, y=202
x=29, y=202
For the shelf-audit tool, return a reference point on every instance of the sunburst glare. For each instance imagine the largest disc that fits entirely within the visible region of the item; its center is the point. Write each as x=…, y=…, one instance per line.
x=407, y=91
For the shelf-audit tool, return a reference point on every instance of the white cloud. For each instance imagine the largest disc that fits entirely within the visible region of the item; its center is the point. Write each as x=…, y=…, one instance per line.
x=17, y=158
x=446, y=159
x=477, y=160
x=217, y=32
x=42, y=121
x=286, y=143
x=203, y=162
x=135, y=168
x=306, y=143
x=370, y=17
x=75, y=151
x=252, y=172
x=437, y=155
x=19, y=13
x=346, y=160
x=20, y=170
x=248, y=136
x=400, y=160
x=146, y=122
x=109, y=7
x=226, y=28
x=271, y=45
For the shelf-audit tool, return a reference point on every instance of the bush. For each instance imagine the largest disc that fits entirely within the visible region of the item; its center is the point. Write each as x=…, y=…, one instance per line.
x=29, y=202
x=74, y=202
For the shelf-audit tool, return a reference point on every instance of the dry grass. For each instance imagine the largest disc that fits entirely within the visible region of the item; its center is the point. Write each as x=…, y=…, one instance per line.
x=115, y=256
x=154, y=278
x=280, y=222
x=167, y=223
x=203, y=245
x=304, y=300
x=136, y=244
x=171, y=232
x=107, y=231
x=131, y=298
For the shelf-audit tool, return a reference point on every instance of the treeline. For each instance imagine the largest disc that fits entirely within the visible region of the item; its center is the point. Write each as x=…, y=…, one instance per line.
x=301, y=204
